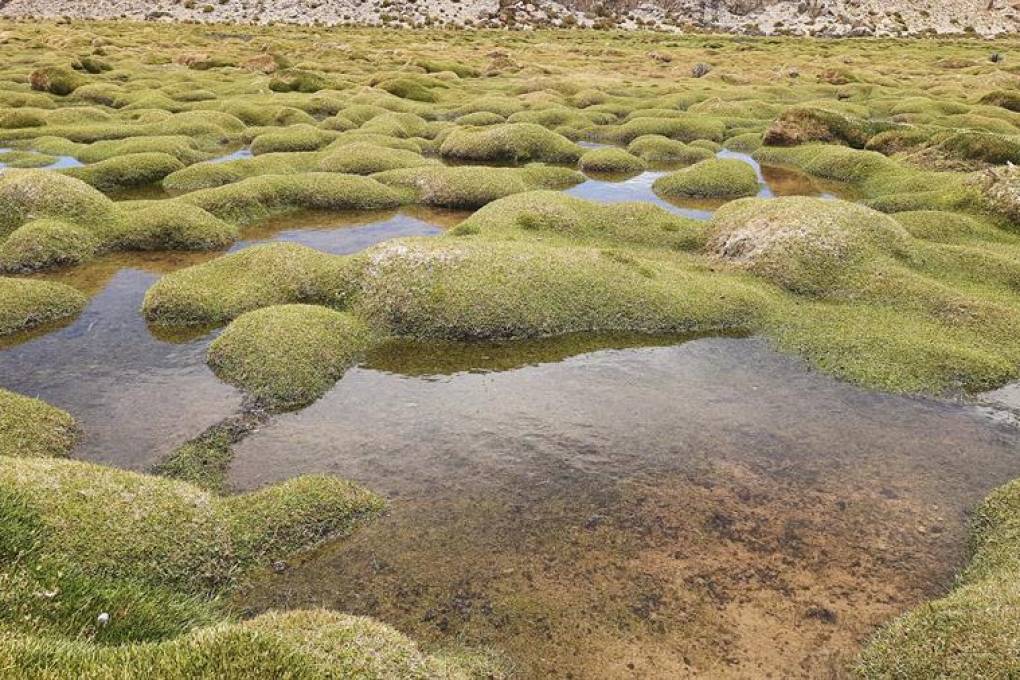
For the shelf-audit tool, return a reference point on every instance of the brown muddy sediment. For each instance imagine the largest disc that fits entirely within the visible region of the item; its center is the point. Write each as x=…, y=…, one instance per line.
x=710, y=507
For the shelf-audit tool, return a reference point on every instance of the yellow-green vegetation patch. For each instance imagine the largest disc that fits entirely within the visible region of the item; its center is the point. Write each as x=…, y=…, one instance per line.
x=260, y=276
x=972, y=631
x=658, y=148
x=26, y=159
x=46, y=243
x=477, y=289
x=25, y=304
x=472, y=187
x=150, y=552
x=287, y=356
x=803, y=125
x=551, y=215
x=209, y=175
x=131, y=170
x=256, y=198
x=510, y=143
x=611, y=160
x=365, y=159
x=806, y=245
x=303, y=645
x=30, y=427
x=714, y=178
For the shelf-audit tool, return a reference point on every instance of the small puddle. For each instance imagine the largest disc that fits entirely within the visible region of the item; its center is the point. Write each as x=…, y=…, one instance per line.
x=708, y=507
x=138, y=392
x=773, y=181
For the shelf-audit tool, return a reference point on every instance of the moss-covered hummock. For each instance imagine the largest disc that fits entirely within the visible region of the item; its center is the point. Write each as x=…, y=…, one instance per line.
x=806, y=245
x=287, y=356
x=256, y=198
x=657, y=148
x=549, y=215
x=972, y=631
x=56, y=80
x=803, y=125
x=25, y=304
x=149, y=551
x=131, y=170
x=365, y=159
x=31, y=428
x=473, y=187
x=611, y=160
x=715, y=178
x=260, y=276
x=46, y=243
x=510, y=143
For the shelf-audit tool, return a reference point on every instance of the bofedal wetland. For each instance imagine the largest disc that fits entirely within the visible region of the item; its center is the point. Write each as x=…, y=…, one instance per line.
x=435, y=353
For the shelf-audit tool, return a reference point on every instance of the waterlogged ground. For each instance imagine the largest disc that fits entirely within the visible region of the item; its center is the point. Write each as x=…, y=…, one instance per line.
x=706, y=507
x=587, y=506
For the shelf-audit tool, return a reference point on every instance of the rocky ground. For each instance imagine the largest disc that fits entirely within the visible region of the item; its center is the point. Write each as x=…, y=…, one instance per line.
x=803, y=17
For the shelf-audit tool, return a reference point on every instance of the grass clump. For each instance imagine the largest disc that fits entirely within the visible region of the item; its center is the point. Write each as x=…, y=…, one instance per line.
x=806, y=245
x=209, y=175
x=471, y=289
x=287, y=356
x=715, y=178
x=611, y=160
x=25, y=159
x=554, y=215
x=473, y=187
x=150, y=551
x=510, y=143
x=56, y=80
x=32, y=194
x=260, y=276
x=256, y=198
x=31, y=428
x=303, y=645
x=679, y=126
x=132, y=170
x=299, y=80
x=300, y=137
x=803, y=125
x=44, y=244
x=658, y=148
x=362, y=158
x=971, y=632
x=25, y=304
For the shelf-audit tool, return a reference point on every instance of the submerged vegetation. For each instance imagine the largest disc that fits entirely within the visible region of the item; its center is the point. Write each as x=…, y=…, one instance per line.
x=118, y=138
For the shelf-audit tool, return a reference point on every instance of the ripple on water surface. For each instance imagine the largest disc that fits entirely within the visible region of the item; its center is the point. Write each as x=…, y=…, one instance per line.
x=709, y=506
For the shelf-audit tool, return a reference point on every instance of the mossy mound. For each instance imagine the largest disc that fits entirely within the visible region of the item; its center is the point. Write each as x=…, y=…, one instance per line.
x=365, y=159
x=657, y=148
x=803, y=125
x=32, y=428
x=56, y=80
x=287, y=356
x=150, y=551
x=43, y=244
x=611, y=160
x=259, y=197
x=971, y=632
x=132, y=170
x=415, y=89
x=510, y=143
x=299, y=80
x=984, y=147
x=167, y=225
x=303, y=645
x=260, y=276
x=473, y=187
x=471, y=289
x=294, y=138
x=26, y=159
x=830, y=162
x=554, y=215
x=1003, y=99
x=715, y=178
x=684, y=127
x=25, y=304
x=209, y=175
x=32, y=194
x=806, y=245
